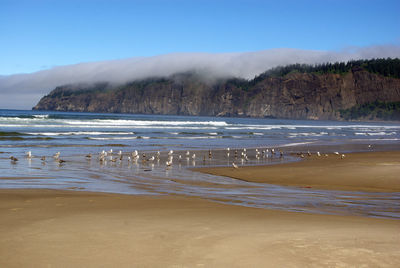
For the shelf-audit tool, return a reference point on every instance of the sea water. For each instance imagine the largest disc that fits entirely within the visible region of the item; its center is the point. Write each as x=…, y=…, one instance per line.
x=75, y=135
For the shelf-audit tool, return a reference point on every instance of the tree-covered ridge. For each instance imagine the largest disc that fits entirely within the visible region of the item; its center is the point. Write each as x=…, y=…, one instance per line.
x=386, y=67
x=78, y=89
x=374, y=110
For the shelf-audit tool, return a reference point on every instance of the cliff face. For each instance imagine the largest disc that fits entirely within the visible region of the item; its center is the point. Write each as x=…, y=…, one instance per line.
x=295, y=95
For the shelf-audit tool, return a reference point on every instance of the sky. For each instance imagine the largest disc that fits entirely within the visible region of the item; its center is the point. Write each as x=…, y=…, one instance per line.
x=38, y=37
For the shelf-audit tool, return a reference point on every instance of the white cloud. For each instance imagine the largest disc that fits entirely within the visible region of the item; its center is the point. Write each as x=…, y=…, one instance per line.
x=22, y=91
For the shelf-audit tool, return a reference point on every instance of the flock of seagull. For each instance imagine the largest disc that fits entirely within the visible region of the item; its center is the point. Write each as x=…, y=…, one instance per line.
x=29, y=155
x=135, y=156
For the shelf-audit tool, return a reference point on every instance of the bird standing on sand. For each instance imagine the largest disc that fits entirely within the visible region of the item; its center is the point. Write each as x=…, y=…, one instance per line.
x=234, y=165
x=342, y=156
x=318, y=154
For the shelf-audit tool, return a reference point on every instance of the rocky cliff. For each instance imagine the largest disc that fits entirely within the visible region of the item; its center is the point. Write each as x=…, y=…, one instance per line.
x=294, y=95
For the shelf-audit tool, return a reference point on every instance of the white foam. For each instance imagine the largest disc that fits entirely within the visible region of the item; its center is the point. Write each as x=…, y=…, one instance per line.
x=95, y=133
x=41, y=116
x=330, y=127
x=114, y=138
x=41, y=122
x=105, y=127
x=307, y=134
x=106, y=122
x=200, y=137
x=296, y=144
x=381, y=133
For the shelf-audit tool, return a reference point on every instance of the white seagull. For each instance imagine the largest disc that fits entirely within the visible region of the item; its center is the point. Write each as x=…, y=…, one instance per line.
x=56, y=155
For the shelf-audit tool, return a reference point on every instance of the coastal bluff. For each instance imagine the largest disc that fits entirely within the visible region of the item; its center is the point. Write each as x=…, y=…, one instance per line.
x=292, y=94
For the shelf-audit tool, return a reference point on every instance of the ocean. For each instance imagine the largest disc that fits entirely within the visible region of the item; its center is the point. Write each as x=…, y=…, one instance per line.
x=75, y=135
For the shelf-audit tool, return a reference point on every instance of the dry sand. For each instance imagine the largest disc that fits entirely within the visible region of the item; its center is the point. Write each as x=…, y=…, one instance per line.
x=371, y=171
x=47, y=228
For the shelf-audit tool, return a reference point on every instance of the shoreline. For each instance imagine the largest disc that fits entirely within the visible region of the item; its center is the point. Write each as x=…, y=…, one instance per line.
x=69, y=228
x=360, y=171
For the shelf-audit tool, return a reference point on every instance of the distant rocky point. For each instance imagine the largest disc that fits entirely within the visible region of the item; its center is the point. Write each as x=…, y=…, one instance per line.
x=356, y=90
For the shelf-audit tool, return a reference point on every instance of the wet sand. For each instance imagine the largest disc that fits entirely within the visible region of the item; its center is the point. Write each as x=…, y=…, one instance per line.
x=48, y=228
x=367, y=171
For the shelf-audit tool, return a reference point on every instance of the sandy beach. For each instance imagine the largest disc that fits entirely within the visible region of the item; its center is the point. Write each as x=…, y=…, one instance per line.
x=367, y=171
x=47, y=228
x=52, y=228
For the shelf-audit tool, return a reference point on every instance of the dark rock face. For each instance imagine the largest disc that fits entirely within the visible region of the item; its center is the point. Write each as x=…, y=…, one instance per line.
x=295, y=96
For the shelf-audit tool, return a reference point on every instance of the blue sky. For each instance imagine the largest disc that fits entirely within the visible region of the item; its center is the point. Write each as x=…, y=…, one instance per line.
x=40, y=34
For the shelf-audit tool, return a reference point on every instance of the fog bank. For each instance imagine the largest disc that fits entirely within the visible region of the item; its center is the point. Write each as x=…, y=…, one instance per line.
x=23, y=91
